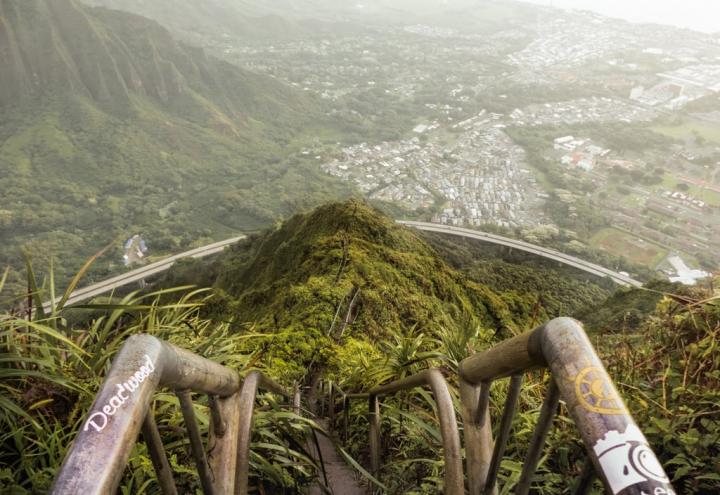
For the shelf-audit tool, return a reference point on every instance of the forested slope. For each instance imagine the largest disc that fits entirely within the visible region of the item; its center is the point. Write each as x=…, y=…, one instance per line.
x=345, y=293
x=111, y=127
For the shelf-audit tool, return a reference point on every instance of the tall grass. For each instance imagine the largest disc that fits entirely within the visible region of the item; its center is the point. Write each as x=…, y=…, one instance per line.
x=669, y=372
x=52, y=364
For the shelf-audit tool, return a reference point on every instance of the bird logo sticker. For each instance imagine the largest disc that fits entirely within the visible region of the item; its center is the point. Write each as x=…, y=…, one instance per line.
x=626, y=459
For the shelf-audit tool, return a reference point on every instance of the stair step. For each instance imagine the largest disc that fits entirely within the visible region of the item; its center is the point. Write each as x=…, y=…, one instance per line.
x=343, y=480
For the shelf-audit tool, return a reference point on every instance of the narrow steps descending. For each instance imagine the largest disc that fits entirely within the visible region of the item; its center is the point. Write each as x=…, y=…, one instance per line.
x=342, y=479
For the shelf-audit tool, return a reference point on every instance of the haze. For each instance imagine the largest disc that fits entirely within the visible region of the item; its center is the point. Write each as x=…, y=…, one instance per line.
x=700, y=15
x=562, y=128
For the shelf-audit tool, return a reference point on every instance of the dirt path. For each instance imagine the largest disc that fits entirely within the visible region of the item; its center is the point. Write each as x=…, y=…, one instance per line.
x=342, y=479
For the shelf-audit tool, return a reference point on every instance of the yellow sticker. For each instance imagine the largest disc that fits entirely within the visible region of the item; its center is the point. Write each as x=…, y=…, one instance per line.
x=595, y=393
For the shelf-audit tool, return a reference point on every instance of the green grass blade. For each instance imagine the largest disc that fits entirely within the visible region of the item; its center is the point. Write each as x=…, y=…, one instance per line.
x=3, y=279
x=80, y=274
x=34, y=291
x=52, y=286
x=355, y=464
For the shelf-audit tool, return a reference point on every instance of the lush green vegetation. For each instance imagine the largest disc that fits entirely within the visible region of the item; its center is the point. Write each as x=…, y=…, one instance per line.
x=669, y=371
x=110, y=127
x=346, y=294
x=52, y=367
x=297, y=282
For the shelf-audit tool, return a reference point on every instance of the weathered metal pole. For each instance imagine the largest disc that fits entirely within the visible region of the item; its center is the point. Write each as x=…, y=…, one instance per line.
x=454, y=480
x=97, y=458
x=196, y=445
x=252, y=382
x=619, y=451
x=477, y=436
x=157, y=455
x=374, y=440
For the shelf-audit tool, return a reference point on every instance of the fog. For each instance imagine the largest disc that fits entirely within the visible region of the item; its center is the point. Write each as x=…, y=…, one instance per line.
x=700, y=15
x=558, y=127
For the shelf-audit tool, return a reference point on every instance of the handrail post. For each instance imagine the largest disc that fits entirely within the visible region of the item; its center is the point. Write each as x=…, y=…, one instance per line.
x=547, y=413
x=478, y=437
x=619, y=451
x=346, y=416
x=297, y=402
x=223, y=450
x=374, y=420
x=196, y=445
x=218, y=422
x=612, y=439
x=454, y=479
x=253, y=381
x=157, y=455
x=322, y=398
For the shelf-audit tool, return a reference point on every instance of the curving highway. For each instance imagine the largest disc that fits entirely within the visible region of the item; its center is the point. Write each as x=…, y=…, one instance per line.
x=143, y=272
x=159, y=266
x=552, y=254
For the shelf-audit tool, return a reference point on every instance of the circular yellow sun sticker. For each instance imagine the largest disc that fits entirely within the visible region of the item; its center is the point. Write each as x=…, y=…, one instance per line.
x=595, y=394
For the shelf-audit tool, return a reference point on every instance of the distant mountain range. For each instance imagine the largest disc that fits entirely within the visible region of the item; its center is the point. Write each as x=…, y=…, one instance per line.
x=53, y=47
x=283, y=20
x=277, y=21
x=110, y=126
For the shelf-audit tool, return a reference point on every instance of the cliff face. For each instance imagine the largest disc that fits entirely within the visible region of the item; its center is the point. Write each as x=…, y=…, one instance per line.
x=59, y=47
x=107, y=123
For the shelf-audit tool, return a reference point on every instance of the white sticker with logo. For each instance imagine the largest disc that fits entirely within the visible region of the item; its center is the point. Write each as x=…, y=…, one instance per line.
x=99, y=420
x=627, y=459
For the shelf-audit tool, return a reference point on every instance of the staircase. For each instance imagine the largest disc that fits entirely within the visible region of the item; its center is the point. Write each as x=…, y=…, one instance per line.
x=617, y=451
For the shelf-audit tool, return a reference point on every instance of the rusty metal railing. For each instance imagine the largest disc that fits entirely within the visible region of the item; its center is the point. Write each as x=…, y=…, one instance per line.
x=432, y=378
x=618, y=453
x=95, y=463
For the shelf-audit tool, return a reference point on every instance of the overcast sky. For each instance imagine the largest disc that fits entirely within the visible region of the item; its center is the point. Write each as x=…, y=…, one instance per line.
x=702, y=15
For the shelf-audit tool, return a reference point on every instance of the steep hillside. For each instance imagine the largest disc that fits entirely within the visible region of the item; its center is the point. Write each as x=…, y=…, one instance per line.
x=346, y=275
x=343, y=292
x=60, y=47
x=110, y=126
x=250, y=21
x=346, y=294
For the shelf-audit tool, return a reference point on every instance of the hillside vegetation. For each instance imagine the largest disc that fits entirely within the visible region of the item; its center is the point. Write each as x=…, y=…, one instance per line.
x=345, y=293
x=111, y=127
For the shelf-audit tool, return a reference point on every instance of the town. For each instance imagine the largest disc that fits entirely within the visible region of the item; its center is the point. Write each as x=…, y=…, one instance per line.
x=481, y=178
x=445, y=106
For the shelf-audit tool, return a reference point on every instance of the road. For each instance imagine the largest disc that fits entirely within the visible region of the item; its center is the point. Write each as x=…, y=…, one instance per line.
x=159, y=266
x=143, y=272
x=552, y=254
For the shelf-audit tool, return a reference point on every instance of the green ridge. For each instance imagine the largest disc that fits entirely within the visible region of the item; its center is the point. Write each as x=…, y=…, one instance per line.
x=111, y=127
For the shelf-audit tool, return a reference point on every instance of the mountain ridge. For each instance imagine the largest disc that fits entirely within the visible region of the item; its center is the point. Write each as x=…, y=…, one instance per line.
x=112, y=127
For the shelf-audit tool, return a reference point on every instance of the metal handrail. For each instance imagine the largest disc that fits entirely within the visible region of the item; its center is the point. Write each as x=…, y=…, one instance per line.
x=616, y=447
x=346, y=398
x=94, y=464
x=246, y=405
x=617, y=450
x=454, y=484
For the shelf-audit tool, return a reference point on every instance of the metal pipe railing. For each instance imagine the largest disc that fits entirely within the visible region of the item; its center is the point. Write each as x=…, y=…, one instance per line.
x=196, y=445
x=618, y=453
x=254, y=381
x=618, y=450
x=504, y=432
x=157, y=455
x=95, y=463
x=454, y=480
